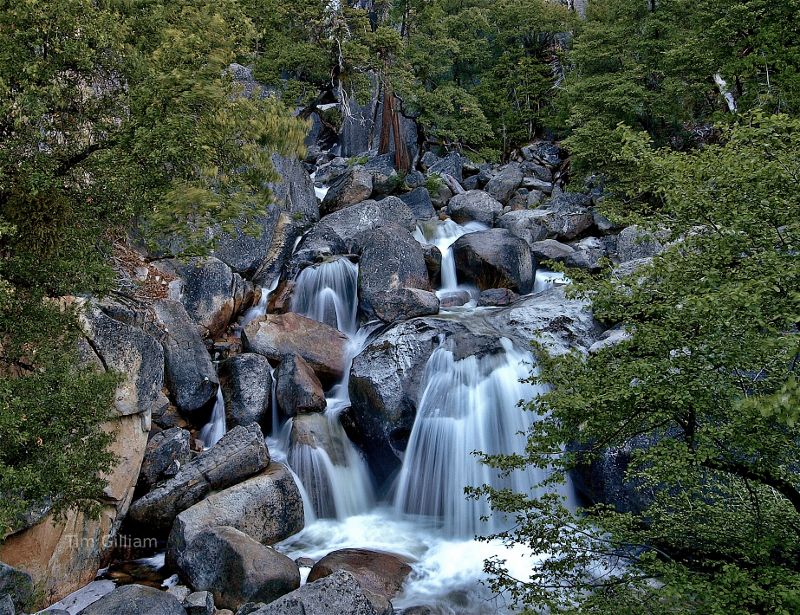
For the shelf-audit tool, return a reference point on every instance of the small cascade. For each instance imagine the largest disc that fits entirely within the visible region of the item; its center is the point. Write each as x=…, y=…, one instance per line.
x=328, y=293
x=466, y=405
x=258, y=310
x=216, y=427
x=320, y=190
x=443, y=234
x=546, y=280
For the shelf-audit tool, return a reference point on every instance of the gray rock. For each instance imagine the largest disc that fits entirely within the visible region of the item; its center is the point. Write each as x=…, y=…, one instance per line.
x=351, y=221
x=211, y=292
x=136, y=600
x=495, y=259
x=338, y=593
x=266, y=507
x=353, y=186
x=419, y=202
x=249, y=389
x=393, y=278
x=276, y=336
x=433, y=261
x=589, y=251
x=190, y=375
x=519, y=200
x=534, y=198
x=131, y=352
x=629, y=268
x=497, y=297
x=538, y=171
x=385, y=178
x=452, y=165
x=298, y=390
x=552, y=250
x=525, y=224
x=543, y=152
x=454, y=299
x=199, y=603
x=635, y=243
x=503, y=185
x=537, y=185
x=471, y=183
x=239, y=454
x=236, y=569
x=7, y=605
x=249, y=607
x=17, y=585
x=571, y=215
x=167, y=452
x=474, y=205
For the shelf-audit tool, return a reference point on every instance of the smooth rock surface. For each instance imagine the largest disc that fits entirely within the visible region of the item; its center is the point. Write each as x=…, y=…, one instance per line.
x=298, y=390
x=474, y=205
x=336, y=594
x=136, y=600
x=248, y=390
x=166, y=453
x=495, y=259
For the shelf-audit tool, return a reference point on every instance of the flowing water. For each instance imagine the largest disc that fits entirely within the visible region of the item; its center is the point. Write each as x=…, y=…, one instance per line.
x=466, y=405
x=212, y=432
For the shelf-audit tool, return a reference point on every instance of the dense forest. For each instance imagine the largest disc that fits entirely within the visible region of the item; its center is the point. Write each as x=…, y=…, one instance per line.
x=122, y=126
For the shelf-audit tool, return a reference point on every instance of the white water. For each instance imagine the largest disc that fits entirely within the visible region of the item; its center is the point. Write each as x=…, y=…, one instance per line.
x=320, y=190
x=443, y=234
x=216, y=427
x=546, y=280
x=328, y=293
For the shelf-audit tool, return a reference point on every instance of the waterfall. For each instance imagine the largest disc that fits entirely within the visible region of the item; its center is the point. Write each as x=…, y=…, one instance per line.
x=328, y=293
x=466, y=405
x=443, y=235
x=258, y=310
x=213, y=431
x=546, y=280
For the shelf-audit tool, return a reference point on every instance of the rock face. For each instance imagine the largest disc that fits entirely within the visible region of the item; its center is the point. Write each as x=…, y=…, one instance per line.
x=419, y=202
x=338, y=593
x=16, y=585
x=276, y=336
x=634, y=243
x=199, y=603
x=393, y=279
x=497, y=297
x=211, y=292
x=266, y=507
x=298, y=389
x=237, y=569
x=167, y=452
x=249, y=389
x=136, y=600
x=381, y=575
x=348, y=223
x=354, y=186
x=495, y=259
x=190, y=374
x=240, y=453
x=474, y=205
x=525, y=224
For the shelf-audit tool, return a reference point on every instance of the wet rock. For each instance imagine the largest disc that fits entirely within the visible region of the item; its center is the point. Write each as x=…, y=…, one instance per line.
x=380, y=575
x=239, y=454
x=131, y=352
x=474, y=205
x=393, y=279
x=419, y=202
x=353, y=186
x=497, y=297
x=433, y=261
x=494, y=259
x=635, y=243
x=236, y=569
x=455, y=298
x=266, y=507
x=167, y=452
x=249, y=390
x=136, y=600
x=338, y=593
x=298, y=389
x=503, y=185
x=211, y=292
x=276, y=336
x=16, y=585
x=190, y=375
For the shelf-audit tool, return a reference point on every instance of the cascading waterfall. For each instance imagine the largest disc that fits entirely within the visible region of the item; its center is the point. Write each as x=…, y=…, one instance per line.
x=258, y=310
x=212, y=432
x=443, y=234
x=328, y=293
x=467, y=405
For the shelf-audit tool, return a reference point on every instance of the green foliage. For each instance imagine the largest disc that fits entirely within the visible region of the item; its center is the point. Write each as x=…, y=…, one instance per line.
x=706, y=377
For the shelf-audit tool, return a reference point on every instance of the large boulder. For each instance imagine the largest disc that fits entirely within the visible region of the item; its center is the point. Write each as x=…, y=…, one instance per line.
x=380, y=574
x=210, y=291
x=495, y=259
x=634, y=243
x=474, y=205
x=136, y=600
x=239, y=454
x=298, y=390
x=338, y=594
x=527, y=224
x=236, y=568
x=266, y=507
x=419, y=202
x=503, y=185
x=393, y=279
x=17, y=585
x=276, y=336
x=385, y=178
x=248, y=390
x=452, y=164
x=570, y=215
x=190, y=375
x=353, y=186
x=167, y=452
